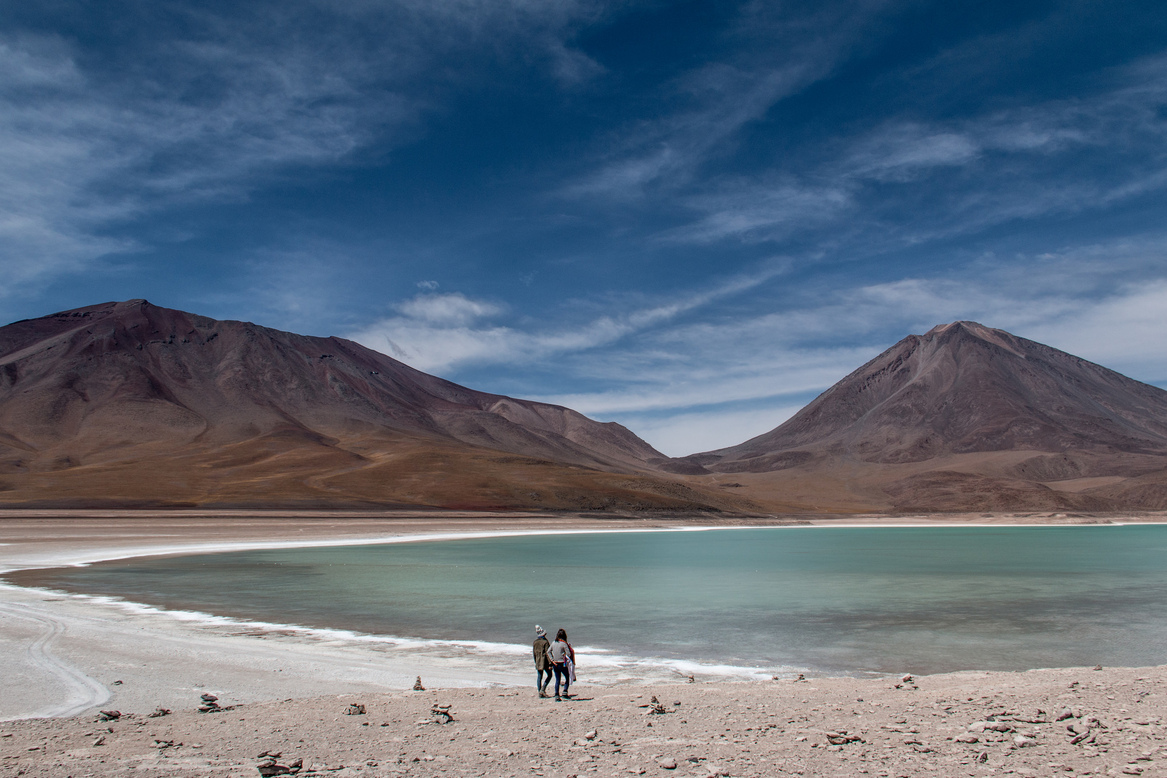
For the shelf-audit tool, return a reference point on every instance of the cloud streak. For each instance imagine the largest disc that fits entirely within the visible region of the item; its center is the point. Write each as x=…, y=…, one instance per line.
x=223, y=104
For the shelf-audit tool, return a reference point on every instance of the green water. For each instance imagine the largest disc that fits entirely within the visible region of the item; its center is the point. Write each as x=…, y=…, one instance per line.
x=833, y=599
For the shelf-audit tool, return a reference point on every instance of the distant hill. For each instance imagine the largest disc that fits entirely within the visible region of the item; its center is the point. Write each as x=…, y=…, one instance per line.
x=965, y=418
x=132, y=404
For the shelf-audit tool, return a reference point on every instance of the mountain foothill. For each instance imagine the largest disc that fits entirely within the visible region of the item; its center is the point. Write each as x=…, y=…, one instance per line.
x=132, y=405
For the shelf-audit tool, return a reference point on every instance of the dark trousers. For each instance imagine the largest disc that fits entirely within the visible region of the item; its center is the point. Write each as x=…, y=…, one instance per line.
x=542, y=678
x=560, y=670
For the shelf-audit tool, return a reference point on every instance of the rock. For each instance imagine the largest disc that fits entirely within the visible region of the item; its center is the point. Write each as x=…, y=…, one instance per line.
x=1132, y=769
x=417, y=687
x=841, y=738
x=668, y=764
x=1065, y=714
x=100, y=741
x=441, y=714
x=1021, y=741
x=1097, y=667
x=907, y=679
x=355, y=709
x=158, y=712
x=983, y=757
x=109, y=715
x=591, y=734
x=966, y=738
x=208, y=698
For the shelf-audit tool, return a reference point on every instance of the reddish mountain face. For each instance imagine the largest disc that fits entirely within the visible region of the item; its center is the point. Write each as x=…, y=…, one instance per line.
x=205, y=402
x=941, y=420
x=964, y=388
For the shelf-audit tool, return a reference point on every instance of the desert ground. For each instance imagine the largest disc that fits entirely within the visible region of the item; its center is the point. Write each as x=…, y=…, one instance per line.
x=294, y=701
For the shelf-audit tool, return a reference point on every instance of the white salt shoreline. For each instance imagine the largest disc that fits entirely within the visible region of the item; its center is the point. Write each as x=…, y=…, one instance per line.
x=85, y=558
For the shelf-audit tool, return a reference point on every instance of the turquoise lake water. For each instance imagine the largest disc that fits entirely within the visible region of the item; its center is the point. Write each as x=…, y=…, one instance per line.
x=838, y=600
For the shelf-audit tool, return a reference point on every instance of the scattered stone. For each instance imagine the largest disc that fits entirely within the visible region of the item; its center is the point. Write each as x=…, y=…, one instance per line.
x=1021, y=741
x=1097, y=667
x=163, y=743
x=668, y=764
x=100, y=741
x=983, y=757
x=842, y=738
x=417, y=687
x=441, y=714
x=158, y=712
x=355, y=709
x=1132, y=769
x=1065, y=714
x=109, y=715
x=966, y=738
x=116, y=683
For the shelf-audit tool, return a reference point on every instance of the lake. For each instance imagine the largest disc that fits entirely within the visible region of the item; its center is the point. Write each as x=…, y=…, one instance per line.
x=735, y=601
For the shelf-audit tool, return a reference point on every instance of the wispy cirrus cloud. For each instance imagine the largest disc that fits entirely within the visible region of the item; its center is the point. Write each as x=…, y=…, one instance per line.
x=210, y=109
x=707, y=107
x=442, y=332
x=1058, y=157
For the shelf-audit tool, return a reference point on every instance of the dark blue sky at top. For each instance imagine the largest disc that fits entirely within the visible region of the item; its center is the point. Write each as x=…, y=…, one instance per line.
x=689, y=217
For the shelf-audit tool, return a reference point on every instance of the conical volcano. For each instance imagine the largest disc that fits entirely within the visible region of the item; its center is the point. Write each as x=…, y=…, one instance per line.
x=970, y=417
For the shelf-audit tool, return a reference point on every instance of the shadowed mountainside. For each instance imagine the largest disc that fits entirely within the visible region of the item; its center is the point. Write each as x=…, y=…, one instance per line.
x=965, y=418
x=130, y=403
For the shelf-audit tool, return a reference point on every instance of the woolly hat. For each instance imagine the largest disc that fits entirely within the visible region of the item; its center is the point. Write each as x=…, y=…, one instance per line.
x=540, y=631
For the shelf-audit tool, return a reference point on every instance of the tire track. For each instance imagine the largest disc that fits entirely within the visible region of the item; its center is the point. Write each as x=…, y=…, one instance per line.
x=81, y=691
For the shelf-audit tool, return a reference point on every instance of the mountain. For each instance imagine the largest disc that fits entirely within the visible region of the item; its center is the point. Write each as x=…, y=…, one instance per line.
x=130, y=403
x=965, y=417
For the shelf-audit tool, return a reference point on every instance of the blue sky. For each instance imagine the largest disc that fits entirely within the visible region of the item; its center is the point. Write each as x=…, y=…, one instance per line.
x=689, y=217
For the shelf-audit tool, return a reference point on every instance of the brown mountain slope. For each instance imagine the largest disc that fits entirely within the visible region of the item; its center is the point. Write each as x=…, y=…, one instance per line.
x=965, y=418
x=130, y=403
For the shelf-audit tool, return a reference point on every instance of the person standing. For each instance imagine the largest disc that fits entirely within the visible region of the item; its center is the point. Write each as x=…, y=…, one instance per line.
x=562, y=659
x=542, y=660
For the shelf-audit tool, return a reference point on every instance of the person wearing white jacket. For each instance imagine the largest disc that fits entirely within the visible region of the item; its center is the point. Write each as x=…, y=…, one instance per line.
x=562, y=657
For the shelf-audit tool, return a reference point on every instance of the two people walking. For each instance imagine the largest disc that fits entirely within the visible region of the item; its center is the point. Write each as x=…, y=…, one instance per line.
x=556, y=658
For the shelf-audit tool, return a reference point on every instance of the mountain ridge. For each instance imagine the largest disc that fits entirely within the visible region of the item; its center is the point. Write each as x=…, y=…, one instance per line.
x=123, y=381
x=939, y=420
x=128, y=403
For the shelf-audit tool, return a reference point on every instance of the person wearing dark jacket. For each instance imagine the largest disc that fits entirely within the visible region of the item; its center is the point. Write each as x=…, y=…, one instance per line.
x=542, y=661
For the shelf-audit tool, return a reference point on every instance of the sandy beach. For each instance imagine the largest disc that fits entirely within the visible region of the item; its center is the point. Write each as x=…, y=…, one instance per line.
x=66, y=657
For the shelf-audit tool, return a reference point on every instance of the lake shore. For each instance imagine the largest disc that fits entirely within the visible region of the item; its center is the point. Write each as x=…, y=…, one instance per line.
x=1074, y=722
x=68, y=656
